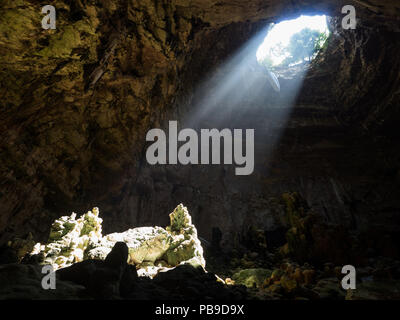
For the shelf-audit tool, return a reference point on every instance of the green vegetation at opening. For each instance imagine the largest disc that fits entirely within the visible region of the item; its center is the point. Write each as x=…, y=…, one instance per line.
x=303, y=47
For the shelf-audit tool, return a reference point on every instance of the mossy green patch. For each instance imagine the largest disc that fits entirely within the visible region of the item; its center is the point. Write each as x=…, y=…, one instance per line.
x=17, y=25
x=69, y=37
x=61, y=45
x=251, y=277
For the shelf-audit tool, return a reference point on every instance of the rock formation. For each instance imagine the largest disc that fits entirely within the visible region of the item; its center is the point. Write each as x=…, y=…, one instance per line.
x=150, y=249
x=76, y=104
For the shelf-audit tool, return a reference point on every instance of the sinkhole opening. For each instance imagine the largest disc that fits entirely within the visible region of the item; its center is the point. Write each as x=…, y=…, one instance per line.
x=293, y=42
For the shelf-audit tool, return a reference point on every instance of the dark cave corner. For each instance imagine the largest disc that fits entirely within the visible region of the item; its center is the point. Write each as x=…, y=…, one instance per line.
x=77, y=102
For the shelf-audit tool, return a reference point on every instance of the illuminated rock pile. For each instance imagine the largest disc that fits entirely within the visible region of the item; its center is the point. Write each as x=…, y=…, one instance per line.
x=70, y=238
x=73, y=240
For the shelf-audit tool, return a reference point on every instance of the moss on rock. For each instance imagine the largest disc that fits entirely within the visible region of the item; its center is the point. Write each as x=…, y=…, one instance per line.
x=251, y=277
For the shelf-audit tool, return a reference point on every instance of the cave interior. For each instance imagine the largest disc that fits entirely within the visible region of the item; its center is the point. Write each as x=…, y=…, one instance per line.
x=78, y=101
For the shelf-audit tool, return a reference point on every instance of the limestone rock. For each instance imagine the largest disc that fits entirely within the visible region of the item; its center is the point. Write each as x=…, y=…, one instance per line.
x=69, y=238
x=184, y=243
x=144, y=243
x=177, y=243
x=151, y=249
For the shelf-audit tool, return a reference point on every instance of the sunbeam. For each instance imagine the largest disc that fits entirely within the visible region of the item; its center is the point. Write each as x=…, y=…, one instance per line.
x=241, y=88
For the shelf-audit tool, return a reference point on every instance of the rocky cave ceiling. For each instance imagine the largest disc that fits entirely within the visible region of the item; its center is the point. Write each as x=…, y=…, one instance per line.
x=76, y=103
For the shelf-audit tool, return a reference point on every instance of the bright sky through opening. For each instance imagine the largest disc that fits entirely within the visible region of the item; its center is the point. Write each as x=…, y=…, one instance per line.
x=283, y=31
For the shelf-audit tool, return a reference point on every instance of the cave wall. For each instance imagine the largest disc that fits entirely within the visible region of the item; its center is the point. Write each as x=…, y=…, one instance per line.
x=346, y=171
x=77, y=102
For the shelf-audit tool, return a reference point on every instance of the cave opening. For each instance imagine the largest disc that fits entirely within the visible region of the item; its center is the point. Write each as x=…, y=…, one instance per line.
x=293, y=41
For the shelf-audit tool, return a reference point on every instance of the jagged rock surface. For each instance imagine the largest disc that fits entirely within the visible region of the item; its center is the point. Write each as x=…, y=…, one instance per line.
x=151, y=249
x=76, y=103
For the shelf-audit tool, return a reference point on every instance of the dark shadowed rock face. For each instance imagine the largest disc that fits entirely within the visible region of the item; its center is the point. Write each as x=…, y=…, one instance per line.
x=102, y=279
x=76, y=104
x=113, y=278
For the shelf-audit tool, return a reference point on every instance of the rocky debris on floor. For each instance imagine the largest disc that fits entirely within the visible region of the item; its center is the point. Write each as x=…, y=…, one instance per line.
x=150, y=249
x=375, y=290
x=168, y=263
x=69, y=239
x=329, y=288
x=114, y=278
x=289, y=280
x=189, y=283
x=309, y=265
x=283, y=278
x=251, y=277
